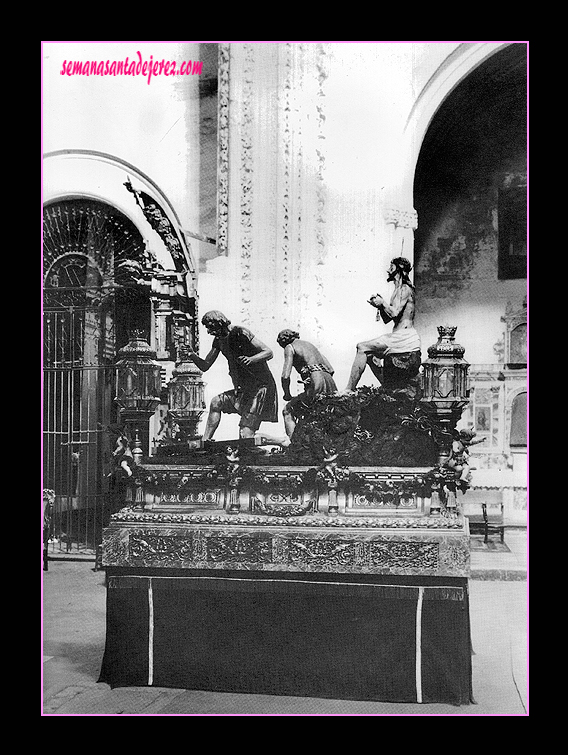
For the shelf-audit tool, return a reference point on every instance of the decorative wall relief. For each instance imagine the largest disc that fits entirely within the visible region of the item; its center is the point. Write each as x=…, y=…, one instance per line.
x=401, y=218
x=321, y=211
x=223, y=148
x=246, y=181
x=285, y=163
x=160, y=222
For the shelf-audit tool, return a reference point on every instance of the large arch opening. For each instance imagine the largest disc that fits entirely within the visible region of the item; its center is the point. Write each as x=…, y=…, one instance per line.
x=470, y=251
x=470, y=188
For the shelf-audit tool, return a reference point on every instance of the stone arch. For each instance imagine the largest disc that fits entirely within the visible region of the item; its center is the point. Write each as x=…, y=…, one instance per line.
x=97, y=176
x=468, y=146
x=451, y=72
x=456, y=67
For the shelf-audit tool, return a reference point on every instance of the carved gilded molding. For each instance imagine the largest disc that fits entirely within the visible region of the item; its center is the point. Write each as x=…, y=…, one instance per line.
x=288, y=491
x=293, y=551
x=137, y=516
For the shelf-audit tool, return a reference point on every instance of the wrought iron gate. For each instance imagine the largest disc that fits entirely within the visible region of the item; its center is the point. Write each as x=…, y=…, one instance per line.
x=86, y=317
x=78, y=411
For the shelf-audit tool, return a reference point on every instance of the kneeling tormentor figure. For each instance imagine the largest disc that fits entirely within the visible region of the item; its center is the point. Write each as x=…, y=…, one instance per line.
x=314, y=369
x=254, y=394
x=403, y=338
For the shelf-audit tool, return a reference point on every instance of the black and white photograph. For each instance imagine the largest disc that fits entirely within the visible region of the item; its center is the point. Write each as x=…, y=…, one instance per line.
x=284, y=338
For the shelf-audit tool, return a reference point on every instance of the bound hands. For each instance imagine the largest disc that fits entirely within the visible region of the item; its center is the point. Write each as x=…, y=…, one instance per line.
x=376, y=301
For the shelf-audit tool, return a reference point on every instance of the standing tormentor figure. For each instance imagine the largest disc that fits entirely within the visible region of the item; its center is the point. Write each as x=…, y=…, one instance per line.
x=403, y=338
x=254, y=394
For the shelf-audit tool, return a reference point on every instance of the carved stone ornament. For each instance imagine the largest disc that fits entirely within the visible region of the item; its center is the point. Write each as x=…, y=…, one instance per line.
x=288, y=549
x=282, y=508
x=401, y=218
x=159, y=221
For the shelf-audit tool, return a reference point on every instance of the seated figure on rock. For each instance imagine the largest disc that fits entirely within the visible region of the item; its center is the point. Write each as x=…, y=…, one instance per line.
x=394, y=358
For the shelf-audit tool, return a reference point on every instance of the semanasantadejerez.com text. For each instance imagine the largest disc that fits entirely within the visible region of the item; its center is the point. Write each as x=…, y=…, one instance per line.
x=136, y=67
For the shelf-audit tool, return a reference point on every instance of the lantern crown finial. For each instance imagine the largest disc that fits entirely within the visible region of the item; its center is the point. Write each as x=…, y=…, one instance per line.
x=137, y=346
x=447, y=331
x=446, y=345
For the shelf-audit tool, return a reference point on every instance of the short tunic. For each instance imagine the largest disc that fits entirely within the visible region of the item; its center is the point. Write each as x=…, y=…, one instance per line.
x=254, y=396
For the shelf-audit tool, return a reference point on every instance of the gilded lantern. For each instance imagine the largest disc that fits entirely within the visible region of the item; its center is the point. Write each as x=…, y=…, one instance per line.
x=138, y=382
x=445, y=385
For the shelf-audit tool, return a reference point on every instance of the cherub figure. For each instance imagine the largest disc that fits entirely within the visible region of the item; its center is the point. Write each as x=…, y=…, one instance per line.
x=328, y=469
x=122, y=456
x=459, y=455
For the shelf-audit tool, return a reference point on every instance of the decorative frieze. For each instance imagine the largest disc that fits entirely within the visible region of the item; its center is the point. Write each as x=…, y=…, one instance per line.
x=404, y=555
x=239, y=548
x=355, y=550
x=329, y=489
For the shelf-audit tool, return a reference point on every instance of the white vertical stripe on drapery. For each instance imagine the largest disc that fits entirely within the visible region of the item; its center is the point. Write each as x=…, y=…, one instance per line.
x=150, y=634
x=419, y=645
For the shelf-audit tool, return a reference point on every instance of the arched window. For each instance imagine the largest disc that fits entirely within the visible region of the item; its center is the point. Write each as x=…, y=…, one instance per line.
x=519, y=421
